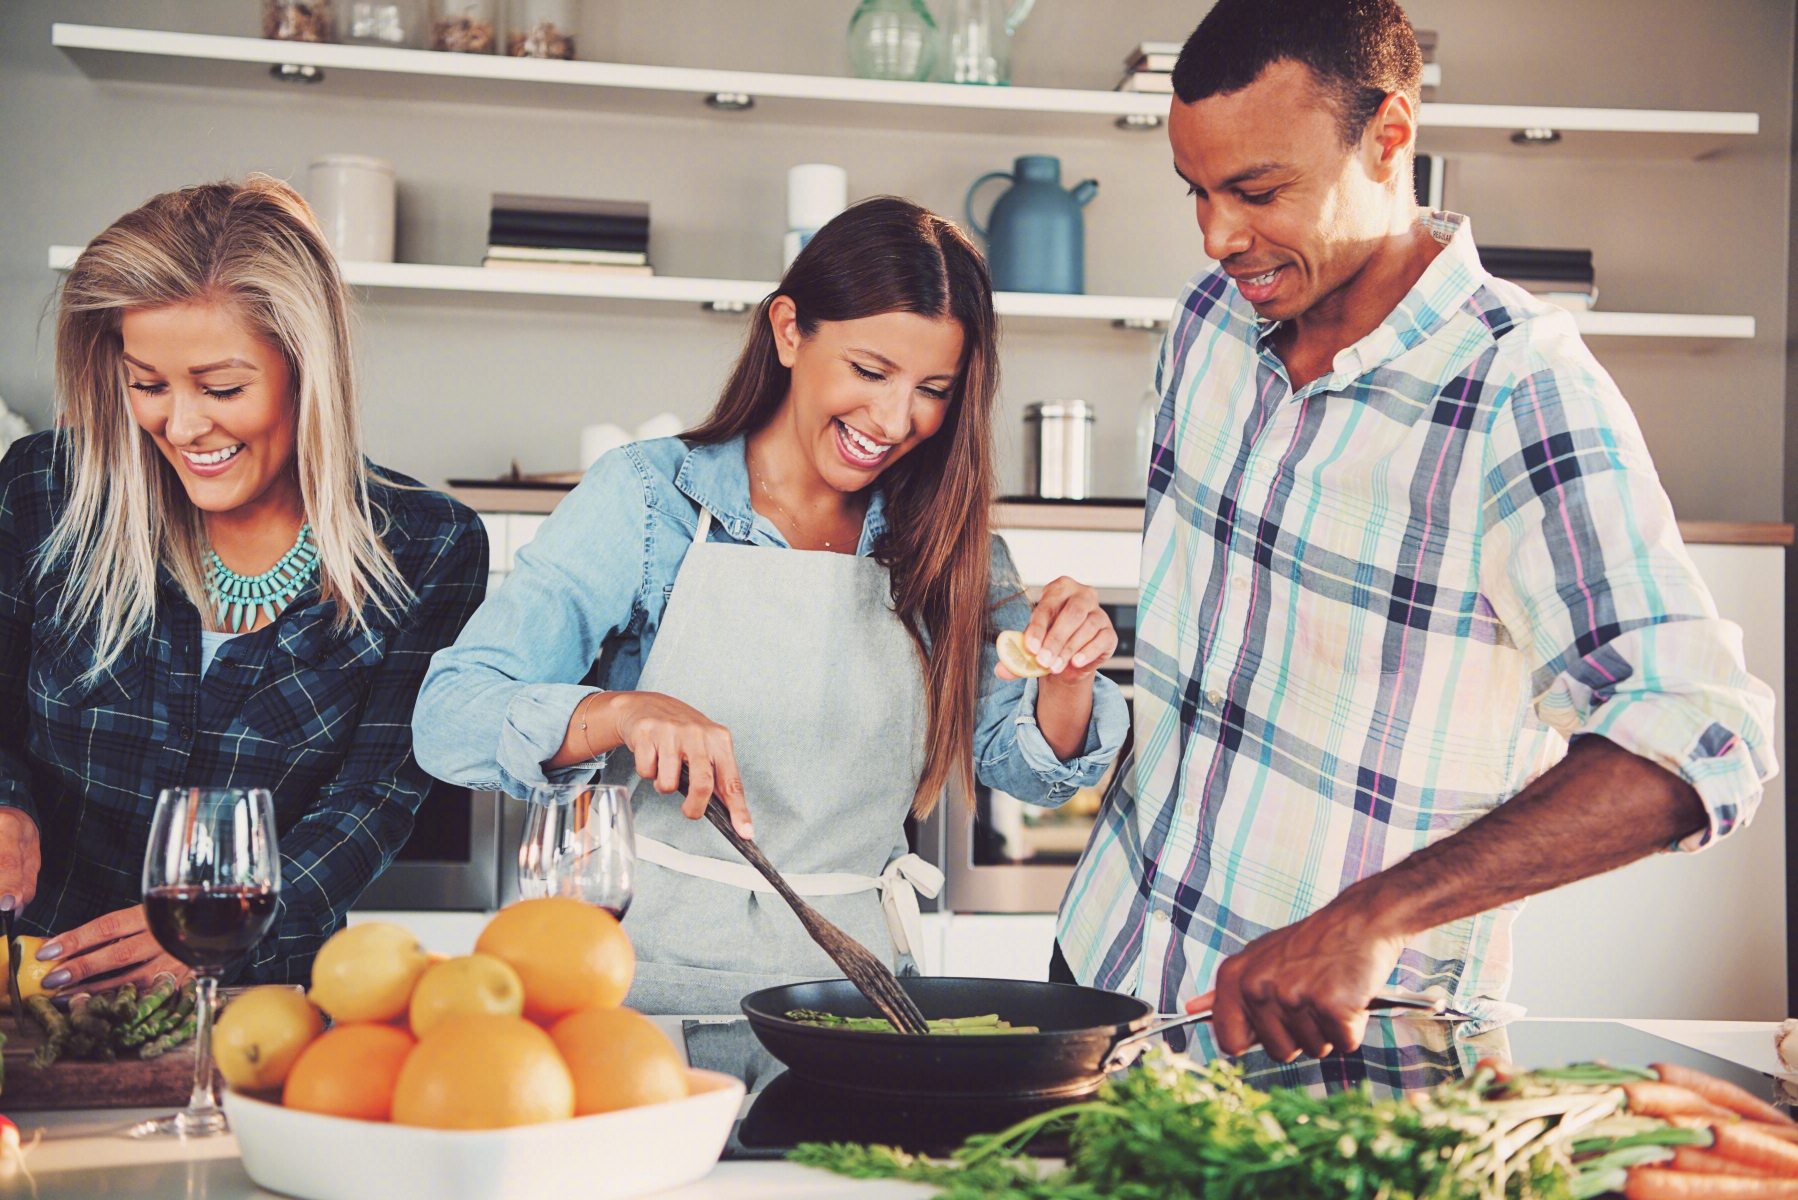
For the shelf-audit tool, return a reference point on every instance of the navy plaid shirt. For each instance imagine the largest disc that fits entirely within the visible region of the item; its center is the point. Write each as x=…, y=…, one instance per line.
x=320, y=717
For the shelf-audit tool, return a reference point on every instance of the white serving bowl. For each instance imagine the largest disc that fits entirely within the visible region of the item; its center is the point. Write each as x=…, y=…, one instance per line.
x=610, y=1155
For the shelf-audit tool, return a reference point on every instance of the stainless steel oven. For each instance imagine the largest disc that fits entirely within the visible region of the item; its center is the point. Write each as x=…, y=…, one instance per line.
x=1001, y=855
x=455, y=857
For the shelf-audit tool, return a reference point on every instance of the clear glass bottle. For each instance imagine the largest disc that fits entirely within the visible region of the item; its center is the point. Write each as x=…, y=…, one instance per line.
x=465, y=26
x=395, y=24
x=892, y=39
x=298, y=21
x=540, y=28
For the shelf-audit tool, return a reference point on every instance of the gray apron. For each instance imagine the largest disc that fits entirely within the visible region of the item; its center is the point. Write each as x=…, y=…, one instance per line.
x=799, y=654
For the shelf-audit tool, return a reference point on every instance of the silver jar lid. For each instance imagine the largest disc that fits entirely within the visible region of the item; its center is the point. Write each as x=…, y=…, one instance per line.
x=1059, y=410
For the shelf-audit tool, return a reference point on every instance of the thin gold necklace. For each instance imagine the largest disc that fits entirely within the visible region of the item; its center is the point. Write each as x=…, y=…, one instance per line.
x=797, y=524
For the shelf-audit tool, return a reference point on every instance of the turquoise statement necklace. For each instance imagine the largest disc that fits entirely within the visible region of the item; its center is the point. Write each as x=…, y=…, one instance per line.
x=241, y=595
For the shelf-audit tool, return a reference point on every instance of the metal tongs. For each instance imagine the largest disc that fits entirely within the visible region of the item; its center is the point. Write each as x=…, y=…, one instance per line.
x=1127, y=1050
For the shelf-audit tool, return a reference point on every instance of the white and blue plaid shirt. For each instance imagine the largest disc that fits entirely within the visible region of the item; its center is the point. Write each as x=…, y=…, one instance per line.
x=1375, y=608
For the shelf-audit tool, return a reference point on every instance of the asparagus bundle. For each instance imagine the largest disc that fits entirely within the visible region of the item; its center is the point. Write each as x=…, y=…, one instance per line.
x=99, y=1025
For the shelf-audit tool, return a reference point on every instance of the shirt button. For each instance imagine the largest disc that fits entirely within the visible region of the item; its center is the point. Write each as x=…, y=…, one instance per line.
x=1216, y=697
x=187, y=733
x=1188, y=809
x=1242, y=581
x=1160, y=917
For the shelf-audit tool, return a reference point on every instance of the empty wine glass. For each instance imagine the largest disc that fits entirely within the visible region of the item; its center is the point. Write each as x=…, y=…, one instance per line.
x=212, y=873
x=578, y=842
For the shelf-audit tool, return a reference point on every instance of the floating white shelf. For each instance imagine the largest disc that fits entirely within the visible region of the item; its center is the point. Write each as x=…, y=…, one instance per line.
x=424, y=277
x=111, y=54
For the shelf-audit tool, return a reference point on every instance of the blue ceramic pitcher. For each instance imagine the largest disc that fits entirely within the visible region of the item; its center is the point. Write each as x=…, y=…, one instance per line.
x=1036, y=233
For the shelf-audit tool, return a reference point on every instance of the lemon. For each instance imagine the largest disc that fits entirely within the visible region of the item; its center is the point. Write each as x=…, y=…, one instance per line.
x=468, y=986
x=1017, y=660
x=259, y=1035
x=31, y=971
x=366, y=972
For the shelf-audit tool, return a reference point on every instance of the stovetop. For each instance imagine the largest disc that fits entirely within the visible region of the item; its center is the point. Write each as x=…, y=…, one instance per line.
x=783, y=1110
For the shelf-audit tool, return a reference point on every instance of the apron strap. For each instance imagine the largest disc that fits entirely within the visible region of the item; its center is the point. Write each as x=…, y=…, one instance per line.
x=705, y=525
x=898, y=885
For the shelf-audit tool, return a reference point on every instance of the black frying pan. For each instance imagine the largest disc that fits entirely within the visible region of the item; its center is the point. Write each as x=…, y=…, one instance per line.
x=1081, y=1028
x=1085, y=1034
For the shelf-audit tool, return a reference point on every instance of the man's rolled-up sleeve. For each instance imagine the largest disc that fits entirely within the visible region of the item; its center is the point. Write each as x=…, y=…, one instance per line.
x=1584, y=566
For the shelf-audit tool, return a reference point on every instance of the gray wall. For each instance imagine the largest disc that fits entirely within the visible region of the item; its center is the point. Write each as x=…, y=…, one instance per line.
x=462, y=387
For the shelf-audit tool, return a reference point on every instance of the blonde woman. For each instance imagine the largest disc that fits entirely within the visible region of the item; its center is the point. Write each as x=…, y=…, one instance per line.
x=203, y=582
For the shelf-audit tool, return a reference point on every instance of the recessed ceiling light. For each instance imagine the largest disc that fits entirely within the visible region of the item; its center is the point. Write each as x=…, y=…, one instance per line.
x=1536, y=136
x=297, y=73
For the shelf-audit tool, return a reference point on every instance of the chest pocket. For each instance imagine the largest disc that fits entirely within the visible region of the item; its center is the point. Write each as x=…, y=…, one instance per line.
x=314, y=682
x=59, y=674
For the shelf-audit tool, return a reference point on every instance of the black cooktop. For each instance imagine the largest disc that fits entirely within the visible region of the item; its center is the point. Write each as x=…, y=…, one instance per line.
x=784, y=1110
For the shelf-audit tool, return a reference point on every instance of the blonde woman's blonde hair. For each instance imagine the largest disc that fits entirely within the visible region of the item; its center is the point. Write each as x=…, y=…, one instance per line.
x=254, y=247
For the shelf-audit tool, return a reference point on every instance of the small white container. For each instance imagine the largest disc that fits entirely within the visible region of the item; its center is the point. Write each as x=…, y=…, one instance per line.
x=353, y=198
x=816, y=192
x=603, y=1157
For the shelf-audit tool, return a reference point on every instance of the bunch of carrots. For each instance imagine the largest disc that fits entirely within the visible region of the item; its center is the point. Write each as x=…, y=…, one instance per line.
x=1684, y=1135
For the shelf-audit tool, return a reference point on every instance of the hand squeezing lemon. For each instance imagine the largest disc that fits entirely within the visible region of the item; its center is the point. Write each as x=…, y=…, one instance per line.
x=1017, y=659
x=1071, y=632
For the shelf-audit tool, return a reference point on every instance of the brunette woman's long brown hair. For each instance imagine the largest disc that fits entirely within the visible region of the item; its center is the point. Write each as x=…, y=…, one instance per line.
x=881, y=256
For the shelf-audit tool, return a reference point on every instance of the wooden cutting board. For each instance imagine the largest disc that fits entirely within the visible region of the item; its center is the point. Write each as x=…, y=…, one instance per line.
x=164, y=1082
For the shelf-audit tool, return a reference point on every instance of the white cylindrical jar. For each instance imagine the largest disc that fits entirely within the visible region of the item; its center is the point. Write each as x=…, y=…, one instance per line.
x=353, y=197
x=816, y=192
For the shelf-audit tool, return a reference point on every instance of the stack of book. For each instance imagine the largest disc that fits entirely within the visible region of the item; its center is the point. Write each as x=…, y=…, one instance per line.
x=558, y=233
x=1150, y=67
x=1561, y=277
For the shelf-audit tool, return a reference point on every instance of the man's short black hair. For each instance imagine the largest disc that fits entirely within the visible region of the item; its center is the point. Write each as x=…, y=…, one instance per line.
x=1359, y=51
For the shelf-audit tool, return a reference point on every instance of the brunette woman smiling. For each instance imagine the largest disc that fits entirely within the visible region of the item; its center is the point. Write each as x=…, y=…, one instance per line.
x=204, y=583
x=794, y=603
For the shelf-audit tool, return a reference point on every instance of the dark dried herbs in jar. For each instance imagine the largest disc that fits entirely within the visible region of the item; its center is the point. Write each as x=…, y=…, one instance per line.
x=462, y=35
x=297, y=20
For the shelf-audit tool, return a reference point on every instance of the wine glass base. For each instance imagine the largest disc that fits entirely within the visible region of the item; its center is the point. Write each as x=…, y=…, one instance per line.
x=185, y=1124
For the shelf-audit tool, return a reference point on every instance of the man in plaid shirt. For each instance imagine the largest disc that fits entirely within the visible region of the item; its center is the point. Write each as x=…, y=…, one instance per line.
x=1404, y=546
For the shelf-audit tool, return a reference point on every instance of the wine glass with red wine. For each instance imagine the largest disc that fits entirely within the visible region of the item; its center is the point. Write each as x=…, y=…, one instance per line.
x=578, y=842
x=211, y=877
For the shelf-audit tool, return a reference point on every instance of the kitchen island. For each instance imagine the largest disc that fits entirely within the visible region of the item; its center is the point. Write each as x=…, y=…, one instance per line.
x=81, y=1156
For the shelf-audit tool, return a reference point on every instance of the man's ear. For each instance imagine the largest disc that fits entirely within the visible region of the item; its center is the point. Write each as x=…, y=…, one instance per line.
x=1391, y=135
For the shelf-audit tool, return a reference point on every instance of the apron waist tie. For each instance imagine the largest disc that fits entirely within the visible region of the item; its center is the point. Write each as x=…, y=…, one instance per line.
x=898, y=885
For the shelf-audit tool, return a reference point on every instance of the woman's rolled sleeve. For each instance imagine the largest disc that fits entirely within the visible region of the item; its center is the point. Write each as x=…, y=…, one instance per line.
x=1010, y=752
x=496, y=705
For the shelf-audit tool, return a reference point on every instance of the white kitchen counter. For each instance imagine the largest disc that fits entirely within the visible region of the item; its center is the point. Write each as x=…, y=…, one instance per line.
x=81, y=1156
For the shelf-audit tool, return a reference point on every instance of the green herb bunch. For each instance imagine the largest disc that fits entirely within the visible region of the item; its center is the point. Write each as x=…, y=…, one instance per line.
x=1169, y=1130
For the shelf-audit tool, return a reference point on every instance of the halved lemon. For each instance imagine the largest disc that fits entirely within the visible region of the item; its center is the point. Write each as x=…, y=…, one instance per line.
x=1017, y=660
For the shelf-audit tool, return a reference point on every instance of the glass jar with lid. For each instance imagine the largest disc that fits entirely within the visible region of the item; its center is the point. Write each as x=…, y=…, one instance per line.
x=540, y=28
x=465, y=26
x=298, y=20
x=395, y=24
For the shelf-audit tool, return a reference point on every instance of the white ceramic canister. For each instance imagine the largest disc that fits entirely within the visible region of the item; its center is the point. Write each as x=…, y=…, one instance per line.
x=353, y=197
x=816, y=192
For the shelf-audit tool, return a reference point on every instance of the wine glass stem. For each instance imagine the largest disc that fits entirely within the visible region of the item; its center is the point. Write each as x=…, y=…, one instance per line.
x=205, y=995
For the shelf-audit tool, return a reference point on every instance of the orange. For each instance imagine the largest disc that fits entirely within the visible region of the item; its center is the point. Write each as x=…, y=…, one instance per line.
x=483, y=1072
x=569, y=955
x=349, y=1071
x=619, y=1059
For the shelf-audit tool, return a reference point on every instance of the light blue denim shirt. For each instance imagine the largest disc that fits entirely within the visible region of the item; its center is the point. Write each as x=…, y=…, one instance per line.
x=585, y=601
